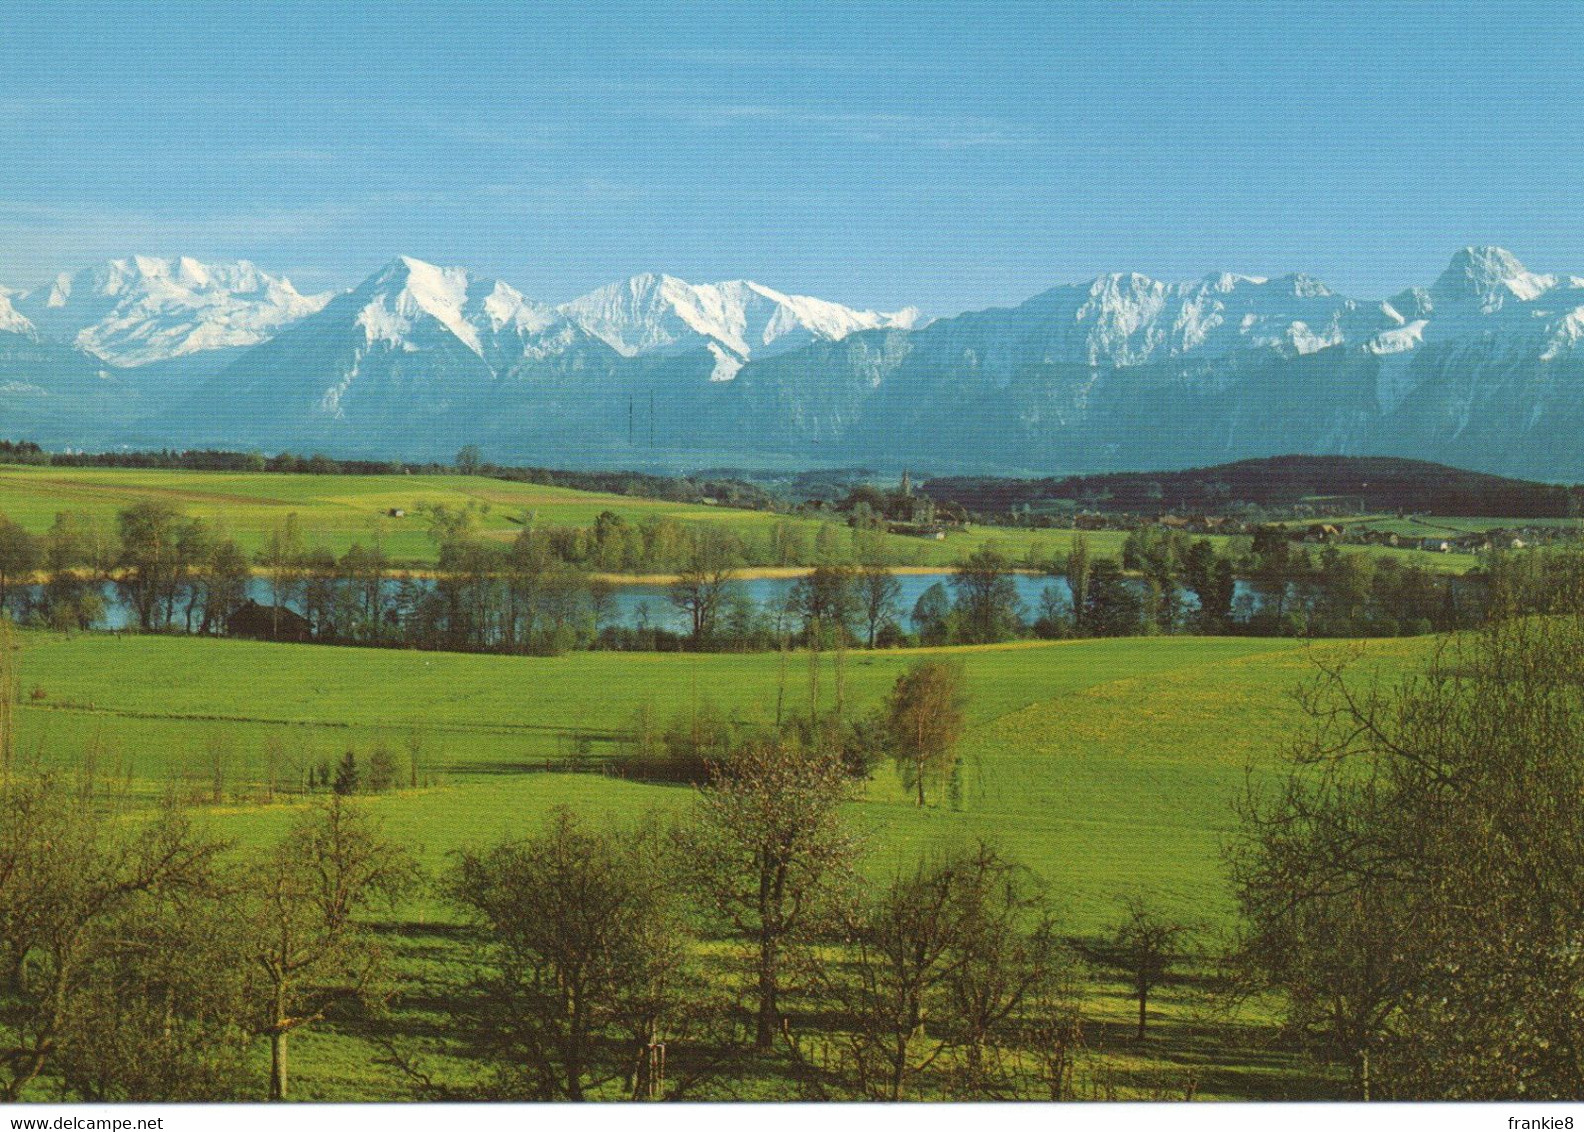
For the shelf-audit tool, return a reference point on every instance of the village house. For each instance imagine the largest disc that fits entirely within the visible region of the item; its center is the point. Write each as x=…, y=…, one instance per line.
x=268, y=623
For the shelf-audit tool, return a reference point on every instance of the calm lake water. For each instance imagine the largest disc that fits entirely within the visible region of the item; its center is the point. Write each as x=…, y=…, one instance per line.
x=637, y=605
x=636, y=602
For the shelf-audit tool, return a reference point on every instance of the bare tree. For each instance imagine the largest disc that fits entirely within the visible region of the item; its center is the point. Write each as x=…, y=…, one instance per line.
x=10, y=692
x=306, y=896
x=68, y=880
x=765, y=849
x=161, y=1011
x=878, y=594
x=940, y=968
x=1145, y=944
x=586, y=948
x=1010, y=963
x=889, y=982
x=1415, y=882
x=282, y=556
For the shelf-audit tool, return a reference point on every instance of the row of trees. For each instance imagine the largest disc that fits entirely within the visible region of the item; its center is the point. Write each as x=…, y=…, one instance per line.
x=543, y=591
x=141, y=960
x=170, y=570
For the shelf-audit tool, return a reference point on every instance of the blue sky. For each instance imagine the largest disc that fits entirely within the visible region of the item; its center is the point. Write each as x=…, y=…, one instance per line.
x=951, y=155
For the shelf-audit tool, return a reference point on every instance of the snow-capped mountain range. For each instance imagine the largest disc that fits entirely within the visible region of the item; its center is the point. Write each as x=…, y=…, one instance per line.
x=736, y=321
x=142, y=309
x=1483, y=367
x=134, y=311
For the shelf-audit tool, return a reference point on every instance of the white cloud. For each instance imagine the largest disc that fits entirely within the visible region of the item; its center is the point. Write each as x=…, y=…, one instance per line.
x=938, y=131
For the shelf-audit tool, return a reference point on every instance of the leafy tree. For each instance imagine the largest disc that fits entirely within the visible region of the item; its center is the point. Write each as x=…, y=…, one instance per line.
x=225, y=577
x=381, y=768
x=347, y=779
x=1157, y=554
x=468, y=460
x=932, y=615
x=149, y=533
x=1111, y=607
x=703, y=584
x=926, y=716
x=77, y=551
x=1346, y=586
x=824, y=599
x=365, y=568
x=585, y=946
x=988, y=606
x=764, y=851
x=1078, y=573
x=1212, y=580
x=19, y=555
x=602, y=604
x=1271, y=565
x=1055, y=617
x=303, y=931
x=878, y=593
x=1415, y=883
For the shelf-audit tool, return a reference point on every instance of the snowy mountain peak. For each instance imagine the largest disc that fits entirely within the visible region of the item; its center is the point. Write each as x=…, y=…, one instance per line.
x=1226, y=282
x=11, y=321
x=736, y=320
x=143, y=309
x=1121, y=320
x=1489, y=274
x=400, y=305
x=1306, y=287
x=395, y=299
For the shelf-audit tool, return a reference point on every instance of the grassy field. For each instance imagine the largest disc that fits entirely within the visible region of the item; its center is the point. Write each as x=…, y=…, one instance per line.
x=1103, y=763
x=336, y=511
x=1109, y=766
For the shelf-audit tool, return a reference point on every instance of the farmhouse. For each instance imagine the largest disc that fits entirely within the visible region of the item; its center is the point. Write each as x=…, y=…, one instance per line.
x=918, y=530
x=268, y=623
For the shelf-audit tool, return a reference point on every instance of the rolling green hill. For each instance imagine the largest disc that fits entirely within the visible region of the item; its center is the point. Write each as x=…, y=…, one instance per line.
x=1102, y=762
x=335, y=511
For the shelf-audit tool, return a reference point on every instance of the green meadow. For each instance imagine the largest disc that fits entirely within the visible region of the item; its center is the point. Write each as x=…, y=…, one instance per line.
x=1102, y=763
x=1108, y=766
x=334, y=511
